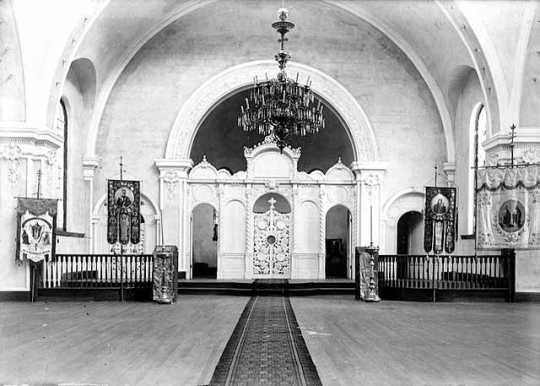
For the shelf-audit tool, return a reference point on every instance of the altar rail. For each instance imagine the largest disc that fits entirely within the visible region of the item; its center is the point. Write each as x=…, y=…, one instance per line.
x=475, y=274
x=86, y=271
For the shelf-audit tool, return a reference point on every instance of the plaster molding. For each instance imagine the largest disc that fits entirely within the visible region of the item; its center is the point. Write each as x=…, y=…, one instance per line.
x=89, y=168
x=492, y=84
x=28, y=132
x=193, y=111
x=523, y=135
x=12, y=152
x=449, y=169
x=392, y=201
x=107, y=86
x=418, y=63
x=516, y=93
x=175, y=166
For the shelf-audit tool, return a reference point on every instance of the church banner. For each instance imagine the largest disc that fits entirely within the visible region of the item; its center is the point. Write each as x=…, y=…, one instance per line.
x=123, y=211
x=508, y=208
x=440, y=219
x=36, y=226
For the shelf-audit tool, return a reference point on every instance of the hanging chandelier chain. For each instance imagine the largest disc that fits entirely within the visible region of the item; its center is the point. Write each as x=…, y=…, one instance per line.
x=282, y=106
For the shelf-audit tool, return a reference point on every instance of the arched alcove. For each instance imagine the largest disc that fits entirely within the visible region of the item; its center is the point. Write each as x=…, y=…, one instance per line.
x=281, y=204
x=410, y=233
x=222, y=141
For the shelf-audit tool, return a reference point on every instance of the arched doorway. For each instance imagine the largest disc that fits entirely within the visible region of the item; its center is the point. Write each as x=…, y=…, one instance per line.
x=338, y=228
x=409, y=233
x=271, y=237
x=204, y=242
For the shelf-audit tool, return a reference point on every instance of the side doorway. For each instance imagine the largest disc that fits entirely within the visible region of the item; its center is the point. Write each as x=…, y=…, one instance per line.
x=338, y=246
x=204, y=242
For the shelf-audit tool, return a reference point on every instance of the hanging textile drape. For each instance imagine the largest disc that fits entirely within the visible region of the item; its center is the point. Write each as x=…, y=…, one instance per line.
x=508, y=212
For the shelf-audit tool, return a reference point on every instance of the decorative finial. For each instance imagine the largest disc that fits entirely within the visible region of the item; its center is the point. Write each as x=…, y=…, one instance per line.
x=283, y=14
x=339, y=160
x=204, y=158
x=271, y=201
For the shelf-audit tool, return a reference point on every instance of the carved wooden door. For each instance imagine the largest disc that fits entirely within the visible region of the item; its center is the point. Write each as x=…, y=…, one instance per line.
x=271, y=255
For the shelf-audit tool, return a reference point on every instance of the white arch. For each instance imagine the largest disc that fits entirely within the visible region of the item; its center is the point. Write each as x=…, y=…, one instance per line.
x=220, y=86
x=418, y=63
x=335, y=204
x=413, y=191
x=103, y=199
x=411, y=199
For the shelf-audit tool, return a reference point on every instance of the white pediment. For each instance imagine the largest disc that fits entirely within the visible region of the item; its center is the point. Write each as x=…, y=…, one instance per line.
x=339, y=172
x=267, y=160
x=204, y=170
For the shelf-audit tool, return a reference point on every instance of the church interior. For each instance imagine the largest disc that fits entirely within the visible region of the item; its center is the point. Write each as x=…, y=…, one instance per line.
x=243, y=192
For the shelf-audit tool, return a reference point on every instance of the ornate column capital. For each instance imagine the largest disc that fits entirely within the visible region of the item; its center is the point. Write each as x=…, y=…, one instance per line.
x=449, y=169
x=89, y=168
x=172, y=170
x=526, y=146
x=369, y=173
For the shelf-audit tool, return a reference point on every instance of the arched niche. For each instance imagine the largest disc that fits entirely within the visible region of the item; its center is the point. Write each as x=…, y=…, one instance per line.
x=220, y=87
x=220, y=139
x=262, y=204
x=149, y=227
x=410, y=233
x=406, y=201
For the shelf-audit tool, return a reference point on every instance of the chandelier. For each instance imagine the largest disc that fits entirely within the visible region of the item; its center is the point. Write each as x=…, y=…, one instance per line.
x=281, y=107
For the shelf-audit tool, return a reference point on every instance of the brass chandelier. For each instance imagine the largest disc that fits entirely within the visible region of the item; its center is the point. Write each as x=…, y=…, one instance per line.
x=281, y=106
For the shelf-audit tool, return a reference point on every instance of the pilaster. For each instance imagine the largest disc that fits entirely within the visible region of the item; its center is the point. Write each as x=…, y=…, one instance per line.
x=89, y=171
x=173, y=176
x=369, y=179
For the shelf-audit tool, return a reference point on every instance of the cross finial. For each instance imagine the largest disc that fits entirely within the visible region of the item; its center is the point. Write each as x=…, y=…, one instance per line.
x=121, y=168
x=271, y=201
x=512, y=137
x=38, y=194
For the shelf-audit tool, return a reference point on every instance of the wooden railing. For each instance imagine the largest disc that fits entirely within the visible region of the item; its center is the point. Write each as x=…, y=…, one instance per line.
x=445, y=272
x=84, y=271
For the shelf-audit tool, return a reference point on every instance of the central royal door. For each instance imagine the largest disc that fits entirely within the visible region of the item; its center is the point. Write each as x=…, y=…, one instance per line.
x=272, y=254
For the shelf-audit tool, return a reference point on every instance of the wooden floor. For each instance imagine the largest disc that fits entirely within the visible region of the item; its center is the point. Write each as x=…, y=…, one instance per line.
x=351, y=343
x=114, y=343
x=408, y=343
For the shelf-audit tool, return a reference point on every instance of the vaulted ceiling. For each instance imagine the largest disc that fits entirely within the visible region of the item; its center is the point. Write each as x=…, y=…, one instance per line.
x=444, y=39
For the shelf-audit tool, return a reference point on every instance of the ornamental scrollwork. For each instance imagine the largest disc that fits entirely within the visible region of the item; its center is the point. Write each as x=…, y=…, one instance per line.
x=12, y=153
x=171, y=178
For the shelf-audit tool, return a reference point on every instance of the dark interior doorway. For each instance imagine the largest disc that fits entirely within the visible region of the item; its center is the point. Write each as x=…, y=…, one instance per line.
x=338, y=227
x=408, y=233
x=409, y=239
x=204, y=247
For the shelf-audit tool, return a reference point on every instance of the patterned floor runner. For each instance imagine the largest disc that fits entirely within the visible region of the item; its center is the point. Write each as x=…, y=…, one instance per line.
x=266, y=348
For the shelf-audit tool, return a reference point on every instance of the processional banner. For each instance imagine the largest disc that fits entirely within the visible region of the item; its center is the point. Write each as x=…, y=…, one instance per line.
x=123, y=211
x=440, y=219
x=508, y=208
x=165, y=274
x=36, y=228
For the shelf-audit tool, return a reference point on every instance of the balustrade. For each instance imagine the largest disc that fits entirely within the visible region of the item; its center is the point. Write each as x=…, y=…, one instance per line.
x=76, y=271
x=444, y=272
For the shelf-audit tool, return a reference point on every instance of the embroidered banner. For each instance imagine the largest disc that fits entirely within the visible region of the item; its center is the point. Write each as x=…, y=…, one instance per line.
x=440, y=219
x=508, y=208
x=165, y=274
x=36, y=228
x=364, y=273
x=123, y=211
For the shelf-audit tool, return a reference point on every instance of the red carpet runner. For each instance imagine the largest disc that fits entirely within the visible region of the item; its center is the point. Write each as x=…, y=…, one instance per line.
x=266, y=348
